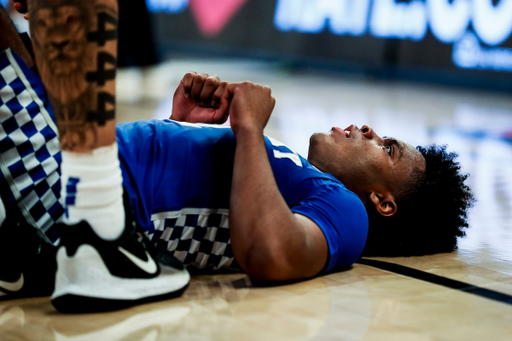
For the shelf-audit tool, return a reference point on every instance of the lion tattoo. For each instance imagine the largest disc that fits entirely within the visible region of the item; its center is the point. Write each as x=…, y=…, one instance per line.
x=59, y=35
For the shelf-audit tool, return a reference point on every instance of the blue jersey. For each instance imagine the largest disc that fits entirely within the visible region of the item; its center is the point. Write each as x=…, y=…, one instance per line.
x=178, y=176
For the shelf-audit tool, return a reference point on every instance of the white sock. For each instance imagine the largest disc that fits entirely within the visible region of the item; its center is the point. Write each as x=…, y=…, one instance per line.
x=92, y=190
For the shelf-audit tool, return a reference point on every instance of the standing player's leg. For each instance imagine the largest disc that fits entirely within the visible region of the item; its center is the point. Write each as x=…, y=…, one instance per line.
x=75, y=46
x=103, y=262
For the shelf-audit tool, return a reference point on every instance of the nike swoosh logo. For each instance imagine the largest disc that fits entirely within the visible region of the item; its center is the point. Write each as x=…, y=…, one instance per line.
x=148, y=266
x=13, y=286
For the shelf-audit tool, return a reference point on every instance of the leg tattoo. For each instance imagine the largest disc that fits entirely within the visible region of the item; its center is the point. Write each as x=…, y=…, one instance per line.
x=75, y=44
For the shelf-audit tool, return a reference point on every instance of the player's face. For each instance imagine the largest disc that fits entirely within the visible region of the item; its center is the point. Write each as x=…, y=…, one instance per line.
x=362, y=160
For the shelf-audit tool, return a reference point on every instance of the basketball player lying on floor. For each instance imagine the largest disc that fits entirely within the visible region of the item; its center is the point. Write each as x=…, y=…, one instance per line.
x=231, y=197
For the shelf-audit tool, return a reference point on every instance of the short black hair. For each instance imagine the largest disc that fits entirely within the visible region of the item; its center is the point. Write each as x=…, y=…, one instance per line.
x=430, y=216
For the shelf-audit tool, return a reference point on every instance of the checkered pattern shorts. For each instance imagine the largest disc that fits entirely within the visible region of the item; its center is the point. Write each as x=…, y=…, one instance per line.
x=29, y=146
x=197, y=237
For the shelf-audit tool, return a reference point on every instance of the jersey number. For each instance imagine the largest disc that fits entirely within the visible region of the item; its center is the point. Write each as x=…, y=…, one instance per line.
x=285, y=155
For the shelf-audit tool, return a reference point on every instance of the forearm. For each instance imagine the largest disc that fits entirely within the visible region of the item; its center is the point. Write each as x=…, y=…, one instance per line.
x=260, y=220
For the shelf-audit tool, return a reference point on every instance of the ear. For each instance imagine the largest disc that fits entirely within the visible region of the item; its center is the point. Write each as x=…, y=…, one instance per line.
x=384, y=203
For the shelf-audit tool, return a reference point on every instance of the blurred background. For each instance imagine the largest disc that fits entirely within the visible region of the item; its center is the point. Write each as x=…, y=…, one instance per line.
x=424, y=71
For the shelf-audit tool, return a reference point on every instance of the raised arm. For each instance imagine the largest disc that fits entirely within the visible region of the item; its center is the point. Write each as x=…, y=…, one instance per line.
x=269, y=241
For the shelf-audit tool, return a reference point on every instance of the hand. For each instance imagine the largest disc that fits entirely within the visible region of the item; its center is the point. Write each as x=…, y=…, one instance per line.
x=21, y=7
x=251, y=106
x=200, y=99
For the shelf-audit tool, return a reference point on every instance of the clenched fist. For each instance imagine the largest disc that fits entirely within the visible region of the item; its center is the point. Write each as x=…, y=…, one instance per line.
x=250, y=107
x=201, y=98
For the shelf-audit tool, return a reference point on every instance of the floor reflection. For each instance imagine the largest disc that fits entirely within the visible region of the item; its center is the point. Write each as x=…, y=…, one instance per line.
x=155, y=324
x=11, y=317
x=225, y=309
x=26, y=317
x=363, y=303
x=218, y=307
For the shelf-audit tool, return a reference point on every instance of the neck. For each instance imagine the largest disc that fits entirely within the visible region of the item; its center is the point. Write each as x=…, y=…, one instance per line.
x=362, y=194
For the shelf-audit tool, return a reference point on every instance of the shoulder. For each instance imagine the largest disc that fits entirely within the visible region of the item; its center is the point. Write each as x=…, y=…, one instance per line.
x=330, y=194
x=341, y=216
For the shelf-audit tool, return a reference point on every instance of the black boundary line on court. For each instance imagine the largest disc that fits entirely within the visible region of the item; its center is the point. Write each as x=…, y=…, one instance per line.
x=439, y=280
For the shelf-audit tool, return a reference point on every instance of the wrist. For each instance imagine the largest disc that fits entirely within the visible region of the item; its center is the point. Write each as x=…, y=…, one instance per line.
x=247, y=131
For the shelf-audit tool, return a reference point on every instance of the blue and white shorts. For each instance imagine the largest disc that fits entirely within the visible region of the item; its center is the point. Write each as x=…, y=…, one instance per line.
x=29, y=146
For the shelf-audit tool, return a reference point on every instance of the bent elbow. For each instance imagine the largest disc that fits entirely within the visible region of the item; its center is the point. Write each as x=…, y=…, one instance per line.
x=266, y=268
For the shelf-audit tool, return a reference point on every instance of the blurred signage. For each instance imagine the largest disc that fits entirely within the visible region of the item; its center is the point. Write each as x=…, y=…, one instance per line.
x=171, y=6
x=466, y=34
x=449, y=22
x=210, y=15
x=447, y=19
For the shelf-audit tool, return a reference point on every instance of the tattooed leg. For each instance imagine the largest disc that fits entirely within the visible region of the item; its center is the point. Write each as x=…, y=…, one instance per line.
x=75, y=47
x=10, y=38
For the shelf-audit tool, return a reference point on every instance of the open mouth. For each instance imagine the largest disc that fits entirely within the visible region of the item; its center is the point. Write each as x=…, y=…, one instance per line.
x=348, y=130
